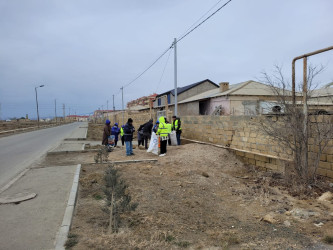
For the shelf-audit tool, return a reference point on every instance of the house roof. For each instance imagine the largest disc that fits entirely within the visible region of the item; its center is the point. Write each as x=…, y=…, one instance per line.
x=138, y=107
x=248, y=88
x=185, y=88
x=327, y=90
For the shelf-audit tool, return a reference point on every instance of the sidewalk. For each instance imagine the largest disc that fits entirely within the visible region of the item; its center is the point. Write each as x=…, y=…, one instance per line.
x=74, y=142
x=80, y=133
x=35, y=223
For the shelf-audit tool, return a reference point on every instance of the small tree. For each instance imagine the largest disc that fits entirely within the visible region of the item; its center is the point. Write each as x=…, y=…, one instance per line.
x=118, y=199
x=291, y=129
x=102, y=155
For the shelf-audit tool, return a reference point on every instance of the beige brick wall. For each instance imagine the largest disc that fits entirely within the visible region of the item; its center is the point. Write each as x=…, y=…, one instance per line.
x=242, y=133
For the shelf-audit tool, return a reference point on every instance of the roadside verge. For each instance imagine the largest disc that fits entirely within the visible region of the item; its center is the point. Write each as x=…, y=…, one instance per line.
x=68, y=216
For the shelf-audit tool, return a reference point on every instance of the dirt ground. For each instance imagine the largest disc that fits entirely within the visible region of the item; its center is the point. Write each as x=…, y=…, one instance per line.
x=198, y=197
x=95, y=132
x=4, y=126
x=20, y=124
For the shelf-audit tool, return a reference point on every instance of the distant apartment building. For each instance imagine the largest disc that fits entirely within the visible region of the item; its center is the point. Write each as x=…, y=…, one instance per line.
x=78, y=118
x=142, y=102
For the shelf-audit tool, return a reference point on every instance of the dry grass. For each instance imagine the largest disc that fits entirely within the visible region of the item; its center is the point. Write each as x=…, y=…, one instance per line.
x=180, y=207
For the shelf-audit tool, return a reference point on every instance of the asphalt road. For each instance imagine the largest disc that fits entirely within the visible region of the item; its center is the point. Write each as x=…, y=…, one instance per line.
x=18, y=152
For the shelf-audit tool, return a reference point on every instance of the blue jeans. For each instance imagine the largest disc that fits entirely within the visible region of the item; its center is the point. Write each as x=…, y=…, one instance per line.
x=129, y=148
x=178, y=138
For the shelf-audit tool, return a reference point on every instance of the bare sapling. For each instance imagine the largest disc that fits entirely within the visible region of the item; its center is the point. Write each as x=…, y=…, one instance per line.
x=302, y=136
x=118, y=199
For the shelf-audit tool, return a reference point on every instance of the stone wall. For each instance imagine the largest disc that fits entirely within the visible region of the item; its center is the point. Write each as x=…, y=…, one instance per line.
x=243, y=136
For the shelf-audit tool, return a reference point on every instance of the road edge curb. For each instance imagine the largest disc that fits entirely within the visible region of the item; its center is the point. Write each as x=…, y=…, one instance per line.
x=69, y=212
x=13, y=180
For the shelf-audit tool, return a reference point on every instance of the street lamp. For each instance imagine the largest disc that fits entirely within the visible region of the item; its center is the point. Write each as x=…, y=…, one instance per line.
x=41, y=86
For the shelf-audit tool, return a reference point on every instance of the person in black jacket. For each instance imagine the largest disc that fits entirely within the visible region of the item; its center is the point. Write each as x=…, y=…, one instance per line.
x=147, y=128
x=140, y=136
x=128, y=136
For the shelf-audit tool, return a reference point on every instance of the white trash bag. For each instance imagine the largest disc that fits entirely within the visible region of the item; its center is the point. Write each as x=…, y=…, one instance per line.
x=153, y=145
x=173, y=138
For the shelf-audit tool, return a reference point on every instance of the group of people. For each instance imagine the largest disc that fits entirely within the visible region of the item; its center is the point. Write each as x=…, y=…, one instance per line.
x=162, y=128
x=126, y=133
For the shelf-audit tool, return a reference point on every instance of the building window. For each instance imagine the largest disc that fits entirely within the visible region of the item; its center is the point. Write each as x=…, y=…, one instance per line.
x=159, y=102
x=169, y=98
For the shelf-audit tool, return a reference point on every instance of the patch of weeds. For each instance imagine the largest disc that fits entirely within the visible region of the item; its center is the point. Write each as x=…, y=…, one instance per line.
x=97, y=197
x=233, y=240
x=182, y=244
x=102, y=155
x=118, y=199
x=169, y=238
x=328, y=239
x=72, y=240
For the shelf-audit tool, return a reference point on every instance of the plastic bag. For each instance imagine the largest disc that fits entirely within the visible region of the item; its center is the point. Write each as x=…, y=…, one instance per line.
x=173, y=138
x=153, y=145
x=111, y=140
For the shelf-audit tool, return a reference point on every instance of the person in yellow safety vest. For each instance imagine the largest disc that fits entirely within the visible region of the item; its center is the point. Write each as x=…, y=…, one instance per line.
x=177, y=126
x=169, y=126
x=163, y=132
x=122, y=135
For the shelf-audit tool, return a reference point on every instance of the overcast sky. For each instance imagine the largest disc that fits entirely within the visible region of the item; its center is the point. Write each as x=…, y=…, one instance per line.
x=84, y=51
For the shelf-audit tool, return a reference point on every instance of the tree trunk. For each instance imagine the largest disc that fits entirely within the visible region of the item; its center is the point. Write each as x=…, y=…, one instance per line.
x=111, y=214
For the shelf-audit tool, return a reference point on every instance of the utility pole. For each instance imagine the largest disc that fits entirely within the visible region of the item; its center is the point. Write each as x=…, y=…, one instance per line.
x=113, y=103
x=122, y=101
x=41, y=86
x=63, y=110
x=175, y=74
x=0, y=111
x=55, y=110
x=107, y=105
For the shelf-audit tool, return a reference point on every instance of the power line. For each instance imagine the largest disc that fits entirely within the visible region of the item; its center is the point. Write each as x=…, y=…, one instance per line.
x=197, y=26
x=201, y=17
x=151, y=65
x=178, y=40
x=166, y=63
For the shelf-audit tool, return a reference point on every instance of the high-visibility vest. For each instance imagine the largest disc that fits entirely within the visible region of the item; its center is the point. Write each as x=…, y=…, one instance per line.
x=176, y=126
x=163, y=130
x=121, y=132
x=169, y=126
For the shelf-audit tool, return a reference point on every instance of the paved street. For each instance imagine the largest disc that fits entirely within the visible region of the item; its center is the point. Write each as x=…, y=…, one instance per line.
x=17, y=152
x=34, y=224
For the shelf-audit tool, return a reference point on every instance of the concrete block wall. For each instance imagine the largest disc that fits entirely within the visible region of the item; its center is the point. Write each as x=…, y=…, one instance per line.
x=139, y=118
x=242, y=134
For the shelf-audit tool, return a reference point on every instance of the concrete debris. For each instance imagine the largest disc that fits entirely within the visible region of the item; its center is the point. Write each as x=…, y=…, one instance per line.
x=299, y=213
x=269, y=219
x=327, y=196
x=17, y=198
x=287, y=223
x=320, y=224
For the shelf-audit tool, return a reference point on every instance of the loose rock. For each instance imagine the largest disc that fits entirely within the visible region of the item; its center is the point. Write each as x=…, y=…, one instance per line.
x=327, y=196
x=205, y=174
x=287, y=223
x=269, y=218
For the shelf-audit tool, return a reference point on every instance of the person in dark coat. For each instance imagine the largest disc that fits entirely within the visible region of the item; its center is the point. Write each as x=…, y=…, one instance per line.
x=115, y=131
x=106, y=132
x=147, y=128
x=128, y=136
x=140, y=135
